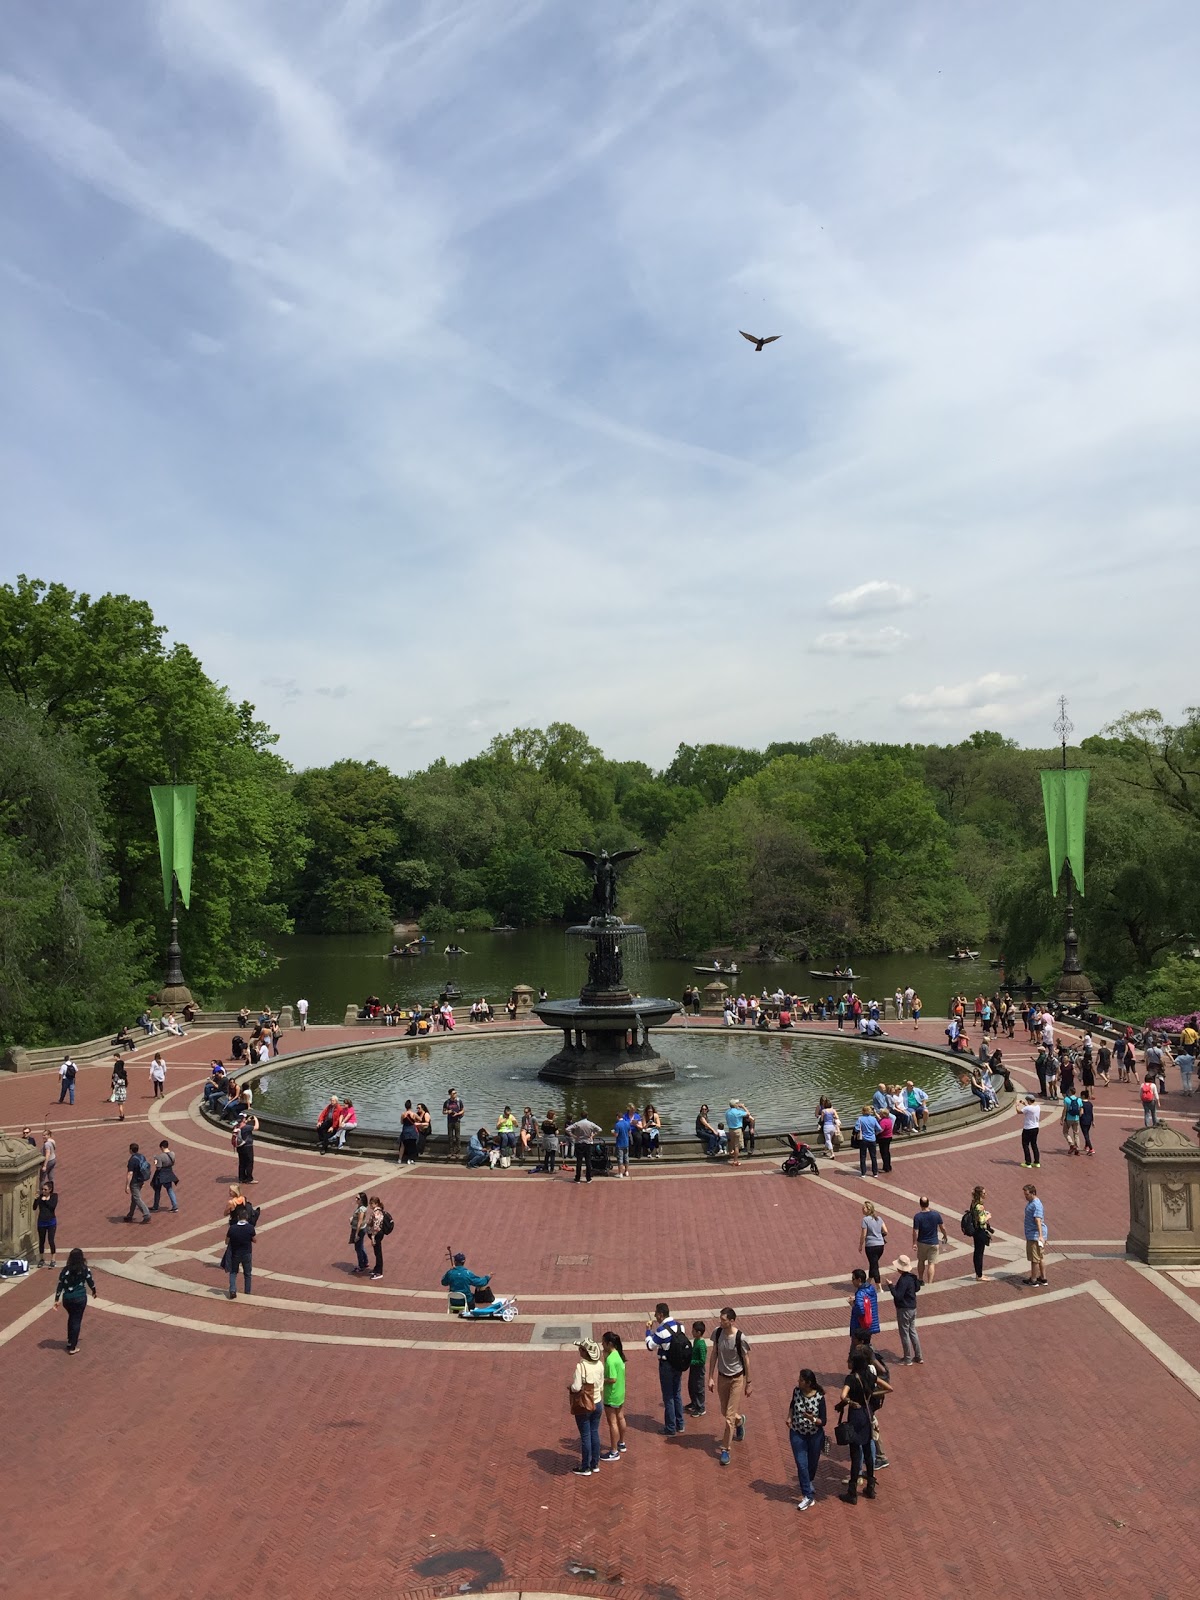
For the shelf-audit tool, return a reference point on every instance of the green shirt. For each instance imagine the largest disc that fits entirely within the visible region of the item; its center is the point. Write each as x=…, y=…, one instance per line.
x=699, y=1352
x=614, y=1380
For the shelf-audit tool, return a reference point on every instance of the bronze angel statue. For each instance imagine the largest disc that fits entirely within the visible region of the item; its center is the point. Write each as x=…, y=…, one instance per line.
x=603, y=868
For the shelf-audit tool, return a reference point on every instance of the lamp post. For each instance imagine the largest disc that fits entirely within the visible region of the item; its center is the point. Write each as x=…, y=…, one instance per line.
x=1073, y=983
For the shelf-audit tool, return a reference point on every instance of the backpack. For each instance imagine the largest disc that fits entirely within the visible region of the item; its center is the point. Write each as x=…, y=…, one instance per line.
x=141, y=1167
x=718, y=1335
x=387, y=1224
x=71, y=1072
x=1147, y=1094
x=679, y=1351
x=968, y=1223
x=1072, y=1107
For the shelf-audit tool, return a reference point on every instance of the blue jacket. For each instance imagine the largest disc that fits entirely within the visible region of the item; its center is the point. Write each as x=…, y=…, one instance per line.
x=864, y=1314
x=461, y=1280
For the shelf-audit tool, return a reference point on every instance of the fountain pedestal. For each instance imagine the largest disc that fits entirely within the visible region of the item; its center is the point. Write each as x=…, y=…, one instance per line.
x=606, y=1032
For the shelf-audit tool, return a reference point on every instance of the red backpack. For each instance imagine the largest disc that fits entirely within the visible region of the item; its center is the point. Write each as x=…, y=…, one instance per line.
x=1147, y=1094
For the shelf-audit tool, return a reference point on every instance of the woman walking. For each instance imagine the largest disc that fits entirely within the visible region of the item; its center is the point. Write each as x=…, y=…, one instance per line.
x=47, y=1222
x=806, y=1433
x=872, y=1236
x=75, y=1282
x=377, y=1230
x=359, y=1219
x=831, y=1125
x=614, y=1395
x=586, y=1394
x=164, y=1176
x=855, y=1406
x=119, y=1083
x=1087, y=1115
x=1030, y=1113
x=981, y=1227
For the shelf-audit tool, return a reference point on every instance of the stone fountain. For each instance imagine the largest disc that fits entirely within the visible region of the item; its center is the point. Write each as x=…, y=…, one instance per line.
x=606, y=1032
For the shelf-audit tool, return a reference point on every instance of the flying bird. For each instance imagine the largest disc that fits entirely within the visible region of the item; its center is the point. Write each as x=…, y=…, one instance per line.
x=756, y=341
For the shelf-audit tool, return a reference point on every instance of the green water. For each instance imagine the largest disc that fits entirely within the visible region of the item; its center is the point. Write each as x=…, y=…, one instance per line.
x=332, y=970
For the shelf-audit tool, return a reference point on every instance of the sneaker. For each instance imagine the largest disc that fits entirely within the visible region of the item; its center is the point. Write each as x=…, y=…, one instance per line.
x=918, y=1361
x=621, y=1447
x=582, y=1472
x=611, y=1455
x=231, y=1294
x=668, y=1433
x=1027, y=1163
x=1041, y=1282
x=723, y=1457
x=1037, y=1163
x=907, y=1362
x=881, y=1461
x=376, y=1275
x=1029, y=1282
x=806, y=1504
x=72, y=1349
x=739, y=1432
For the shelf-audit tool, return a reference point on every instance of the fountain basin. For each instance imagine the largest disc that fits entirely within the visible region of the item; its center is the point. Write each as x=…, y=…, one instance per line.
x=606, y=1038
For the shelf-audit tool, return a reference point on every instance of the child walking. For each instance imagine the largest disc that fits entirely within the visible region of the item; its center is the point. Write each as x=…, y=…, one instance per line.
x=695, y=1404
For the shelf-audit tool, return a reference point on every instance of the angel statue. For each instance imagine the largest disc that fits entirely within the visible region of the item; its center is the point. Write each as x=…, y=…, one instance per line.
x=603, y=868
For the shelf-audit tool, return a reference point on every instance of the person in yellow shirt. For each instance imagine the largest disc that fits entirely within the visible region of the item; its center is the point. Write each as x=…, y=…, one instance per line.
x=506, y=1127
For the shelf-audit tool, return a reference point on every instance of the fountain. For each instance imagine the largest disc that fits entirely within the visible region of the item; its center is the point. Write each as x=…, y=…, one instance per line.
x=606, y=1032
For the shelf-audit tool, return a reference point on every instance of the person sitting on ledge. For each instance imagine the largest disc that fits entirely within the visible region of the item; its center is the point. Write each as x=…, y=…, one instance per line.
x=123, y=1040
x=328, y=1123
x=461, y=1280
x=706, y=1133
x=348, y=1123
x=217, y=1087
x=478, y=1146
x=146, y=1023
x=997, y=1065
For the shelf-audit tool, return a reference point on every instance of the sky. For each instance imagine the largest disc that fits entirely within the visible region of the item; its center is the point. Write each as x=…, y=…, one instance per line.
x=390, y=349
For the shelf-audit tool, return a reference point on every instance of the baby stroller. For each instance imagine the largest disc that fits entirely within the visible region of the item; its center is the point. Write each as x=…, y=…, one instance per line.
x=600, y=1157
x=800, y=1158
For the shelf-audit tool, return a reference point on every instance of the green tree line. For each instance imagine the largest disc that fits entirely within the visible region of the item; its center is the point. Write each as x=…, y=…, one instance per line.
x=834, y=847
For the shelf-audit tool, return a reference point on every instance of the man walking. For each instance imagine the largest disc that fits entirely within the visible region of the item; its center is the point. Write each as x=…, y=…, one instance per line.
x=665, y=1336
x=67, y=1074
x=1035, y=1237
x=583, y=1136
x=928, y=1230
x=904, y=1290
x=302, y=1013
x=137, y=1172
x=729, y=1375
x=1072, y=1111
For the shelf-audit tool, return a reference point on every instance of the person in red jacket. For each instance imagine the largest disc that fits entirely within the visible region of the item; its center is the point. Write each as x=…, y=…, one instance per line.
x=328, y=1123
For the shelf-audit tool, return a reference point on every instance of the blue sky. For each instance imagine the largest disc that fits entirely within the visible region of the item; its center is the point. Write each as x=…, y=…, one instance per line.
x=390, y=350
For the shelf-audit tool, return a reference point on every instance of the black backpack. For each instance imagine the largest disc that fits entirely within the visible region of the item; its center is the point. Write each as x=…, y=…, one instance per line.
x=679, y=1351
x=968, y=1223
x=141, y=1168
x=387, y=1225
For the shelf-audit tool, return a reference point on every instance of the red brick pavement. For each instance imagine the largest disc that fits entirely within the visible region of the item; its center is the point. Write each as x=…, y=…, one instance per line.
x=324, y=1453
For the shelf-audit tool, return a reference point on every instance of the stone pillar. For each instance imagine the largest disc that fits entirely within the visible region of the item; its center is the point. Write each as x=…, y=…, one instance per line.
x=20, y=1165
x=522, y=997
x=352, y=1018
x=714, y=999
x=1164, y=1197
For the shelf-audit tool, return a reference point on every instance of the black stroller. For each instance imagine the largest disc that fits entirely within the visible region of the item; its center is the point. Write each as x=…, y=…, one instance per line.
x=600, y=1157
x=800, y=1157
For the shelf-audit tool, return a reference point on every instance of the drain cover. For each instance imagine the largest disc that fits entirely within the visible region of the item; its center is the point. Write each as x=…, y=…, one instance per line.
x=566, y=1333
x=572, y=1261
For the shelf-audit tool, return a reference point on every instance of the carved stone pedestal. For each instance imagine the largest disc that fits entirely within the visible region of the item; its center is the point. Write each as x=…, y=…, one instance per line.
x=1164, y=1197
x=714, y=998
x=20, y=1165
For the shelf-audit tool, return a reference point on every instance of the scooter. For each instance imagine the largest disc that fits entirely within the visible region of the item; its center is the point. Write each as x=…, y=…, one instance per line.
x=504, y=1308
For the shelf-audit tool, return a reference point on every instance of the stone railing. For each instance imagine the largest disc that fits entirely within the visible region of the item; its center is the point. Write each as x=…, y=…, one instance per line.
x=18, y=1058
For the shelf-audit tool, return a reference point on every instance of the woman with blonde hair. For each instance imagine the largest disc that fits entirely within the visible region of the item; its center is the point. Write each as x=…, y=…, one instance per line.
x=872, y=1237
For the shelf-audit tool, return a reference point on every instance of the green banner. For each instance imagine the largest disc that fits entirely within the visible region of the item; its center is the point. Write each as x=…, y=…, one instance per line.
x=1064, y=796
x=175, y=818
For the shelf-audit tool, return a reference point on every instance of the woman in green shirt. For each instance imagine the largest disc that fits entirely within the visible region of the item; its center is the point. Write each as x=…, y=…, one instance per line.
x=614, y=1395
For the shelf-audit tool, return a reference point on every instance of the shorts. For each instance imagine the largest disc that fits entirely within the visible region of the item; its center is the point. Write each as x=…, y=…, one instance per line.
x=1034, y=1251
x=734, y=1136
x=926, y=1253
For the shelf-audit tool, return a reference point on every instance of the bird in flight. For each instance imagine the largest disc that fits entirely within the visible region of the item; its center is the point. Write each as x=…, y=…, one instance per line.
x=756, y=341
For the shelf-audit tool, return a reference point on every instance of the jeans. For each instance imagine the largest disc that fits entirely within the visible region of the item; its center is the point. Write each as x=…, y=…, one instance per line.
x=239, y=1258
x=865, y=1145
x=862, y=1464
x=671, y=1384
x=1029, y=1145
x=588, y=1424
x=360, y=1252
x=68, y=1089
x=1086, y=1130
x=696, y=1389
x=977, y=1249
x=158, y=1194
x=807, y=1448
x=1150, y=1115
x=906, y=1323
x=583, y=1161
x=74, y=1321
x=136, y=1203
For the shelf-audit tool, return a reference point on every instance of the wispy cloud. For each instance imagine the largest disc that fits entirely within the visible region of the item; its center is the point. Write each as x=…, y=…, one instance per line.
x=860, y=642
x=971, y=695
x=877, y=594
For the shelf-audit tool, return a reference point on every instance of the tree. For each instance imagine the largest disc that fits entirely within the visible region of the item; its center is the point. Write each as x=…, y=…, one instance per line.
x=712, y=769
x=349, y=812
x=65, y=971
x=1159, y=758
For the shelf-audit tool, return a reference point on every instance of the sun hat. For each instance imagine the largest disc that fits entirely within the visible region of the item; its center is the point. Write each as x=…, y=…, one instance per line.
x=904, y=1263
x=589, y=1347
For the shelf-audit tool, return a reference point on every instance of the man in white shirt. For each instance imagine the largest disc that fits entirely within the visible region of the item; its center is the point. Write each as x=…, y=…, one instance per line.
x=583, y=1134
x=302, y=1013
x=908, y=1000
x=66, y=1080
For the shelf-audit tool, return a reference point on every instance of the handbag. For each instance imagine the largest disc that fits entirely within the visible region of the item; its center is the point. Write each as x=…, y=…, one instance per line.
x=582, y=1401
x=841, y=1433
x=855, y=1141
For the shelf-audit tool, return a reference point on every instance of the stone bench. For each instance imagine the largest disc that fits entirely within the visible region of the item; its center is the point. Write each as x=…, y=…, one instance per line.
x=18, y=1059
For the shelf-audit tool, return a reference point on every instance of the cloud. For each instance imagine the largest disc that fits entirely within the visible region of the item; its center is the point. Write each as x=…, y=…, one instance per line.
x=973, y=695
x=337, y=691
x=860, y=642
x=419, y=724
x=875, y=595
